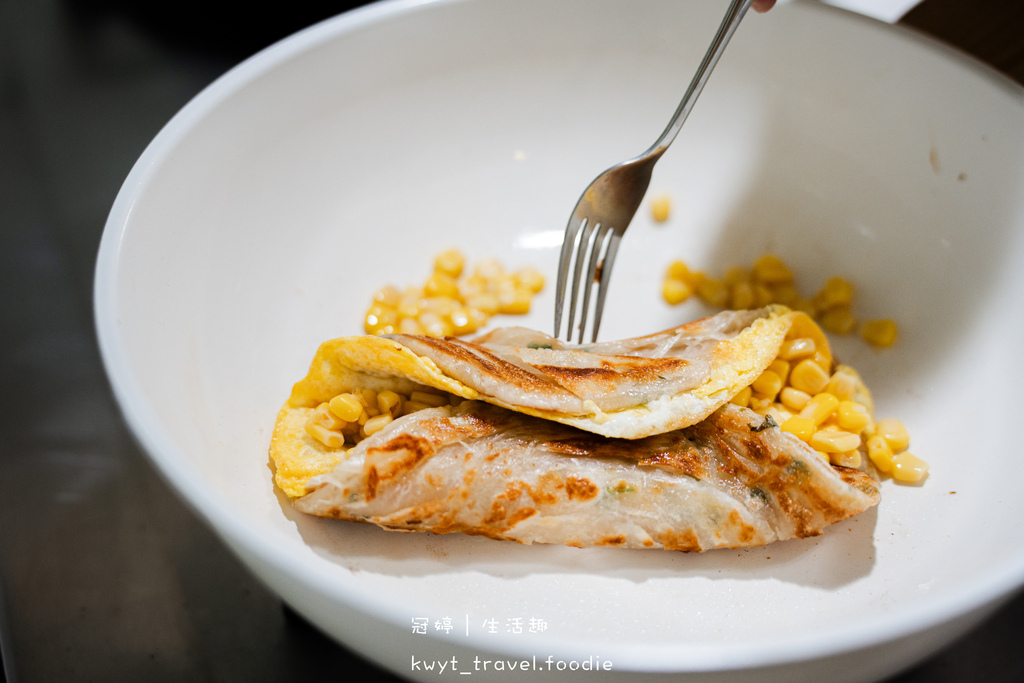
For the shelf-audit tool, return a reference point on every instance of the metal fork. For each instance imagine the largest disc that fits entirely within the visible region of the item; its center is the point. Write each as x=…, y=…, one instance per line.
x=608, y=204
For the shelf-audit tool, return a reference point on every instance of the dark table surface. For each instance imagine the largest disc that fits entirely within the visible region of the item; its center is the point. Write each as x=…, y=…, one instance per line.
x=104, y=574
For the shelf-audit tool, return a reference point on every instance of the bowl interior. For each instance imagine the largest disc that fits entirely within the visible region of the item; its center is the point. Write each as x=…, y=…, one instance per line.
x=262, y=218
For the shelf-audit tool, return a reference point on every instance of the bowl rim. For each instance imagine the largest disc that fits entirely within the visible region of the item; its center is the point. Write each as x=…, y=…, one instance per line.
x=994, y=583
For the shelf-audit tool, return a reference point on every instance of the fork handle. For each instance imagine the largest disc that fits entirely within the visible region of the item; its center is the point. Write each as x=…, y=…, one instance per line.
x=737, y=8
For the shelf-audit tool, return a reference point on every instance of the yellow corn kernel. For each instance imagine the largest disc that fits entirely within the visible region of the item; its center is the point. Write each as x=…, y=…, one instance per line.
x=677, y=270
x=880, y=333
x=325, y=418
x=820, y=408
x=848, y=459
x=713, y=292
x=742, y=397
x=838, y=320
x=792, y=349
x=661, y=206
x=428, y=398
x=741, y=295
x=834, y=441
x=388, y=296
x=375, y=424
x=880, y=453
x=768, y=384
x=894, y=433
x=516, y=302
x=794, y=399
x=450, y=262
x=529, y=278
x=835, y=292
x=435, y=325
x=462, y=322
x=489, y=269
x=784, y=293
x=409, y=326
x=780, y=368
x=759, y=403
x=327, y=437
x=770, y=270
x=485, y=302
x=378, y=318
x=842, y=385
x=414, y=406
x=346, y=407
x=675, y=291
x=852, y=416
x=735, y=274
x=441, y=284
x=908, y=468
x=801, y=427
x=762, y=295
x=387, y=400
x=808, y=377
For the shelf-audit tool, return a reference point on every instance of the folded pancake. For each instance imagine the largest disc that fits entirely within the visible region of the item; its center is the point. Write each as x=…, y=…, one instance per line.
x=625, y=389
x=732, y=480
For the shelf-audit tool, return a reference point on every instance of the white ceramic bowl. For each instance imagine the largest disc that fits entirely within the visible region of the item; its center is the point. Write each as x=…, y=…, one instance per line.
x=259, y=221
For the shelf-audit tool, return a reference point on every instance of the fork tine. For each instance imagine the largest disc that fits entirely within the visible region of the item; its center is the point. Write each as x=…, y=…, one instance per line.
x=581, y=254
x=606, y=274
x=571, y=232
x=588, y=284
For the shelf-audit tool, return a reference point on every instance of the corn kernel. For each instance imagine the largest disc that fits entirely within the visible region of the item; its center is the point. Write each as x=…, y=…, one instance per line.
x=741, y=295
x=441, y=284
x=516, y=302
x=880, y=453
x=848, y=459
x=908, y=468
x=529, y=278
x=801, y=427
x=780, y=368
x=770, y=270
x=759, y=403
x=489, y=269
x=838, y=320
x=675, y=291
x=387, y=400
x=434, y=325
x=808, y=377
x=853, y=416
x=450, y=262
x=894, y=433
x=735, y=274
x=325, y=418
x=742, y=397
x=820, y=408
x=835, y=292
x=327, y=437
x=880, y=333
x=461, y=322
x=409, y=326
x=485, y=302
x=793, y=349
x=375, y=424
x=785, y=293
x=388, y=296
x=677, y=270
x=762, y=295
x=834, y=441
x=346, y=407
x=380, y=319
x=768, y=384
x=794, y=399
x=842, y=385
x=713, y=292
x=661, y=206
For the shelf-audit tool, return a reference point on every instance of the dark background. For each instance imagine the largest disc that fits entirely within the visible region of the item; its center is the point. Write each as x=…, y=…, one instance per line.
x=104, y=574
